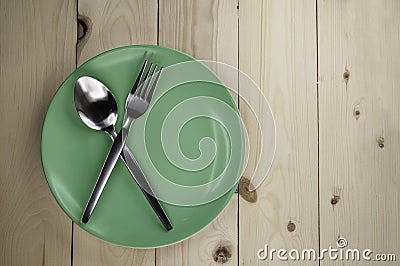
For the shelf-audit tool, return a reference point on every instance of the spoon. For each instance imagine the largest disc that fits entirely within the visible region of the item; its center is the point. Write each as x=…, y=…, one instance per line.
x=97, y=108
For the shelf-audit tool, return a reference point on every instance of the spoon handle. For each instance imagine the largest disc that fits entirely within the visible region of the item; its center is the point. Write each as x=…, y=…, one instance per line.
x=108, y=166
x=141, y=181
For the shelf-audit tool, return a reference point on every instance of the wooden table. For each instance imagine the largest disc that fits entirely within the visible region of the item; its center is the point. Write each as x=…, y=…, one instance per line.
x=330, y=69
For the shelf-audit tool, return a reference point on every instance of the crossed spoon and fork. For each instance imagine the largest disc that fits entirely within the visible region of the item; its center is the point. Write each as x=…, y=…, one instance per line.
x=97, y=108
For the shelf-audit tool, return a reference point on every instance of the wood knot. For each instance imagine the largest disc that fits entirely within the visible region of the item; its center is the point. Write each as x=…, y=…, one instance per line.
x=346, y=75
x=84, y=31
x=357, y=112
x=335, y=199
x=250, y=196
x=83, y=23
x=291, y=226
x=381, y=143
x=222, y=254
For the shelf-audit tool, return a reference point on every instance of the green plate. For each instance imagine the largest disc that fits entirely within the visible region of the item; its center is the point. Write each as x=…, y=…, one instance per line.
x=73, y=154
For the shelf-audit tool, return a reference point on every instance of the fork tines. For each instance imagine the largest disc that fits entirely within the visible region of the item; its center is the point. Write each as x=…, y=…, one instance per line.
x=143, y=89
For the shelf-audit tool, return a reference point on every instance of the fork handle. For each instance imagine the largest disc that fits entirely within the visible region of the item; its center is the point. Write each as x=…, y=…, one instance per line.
x=108, y=166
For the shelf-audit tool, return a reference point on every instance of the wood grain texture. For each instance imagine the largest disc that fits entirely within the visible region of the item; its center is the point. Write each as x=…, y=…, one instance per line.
x=278, y=50
x=353, y=103
x=117, y=23
x=205, y=30
x=37, y=51
x=359, y=62
x=215, y=244
x=112, y=24
x=89, y=250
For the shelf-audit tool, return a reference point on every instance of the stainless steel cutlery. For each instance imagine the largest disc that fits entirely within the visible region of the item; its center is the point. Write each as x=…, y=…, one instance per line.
x=97, y=109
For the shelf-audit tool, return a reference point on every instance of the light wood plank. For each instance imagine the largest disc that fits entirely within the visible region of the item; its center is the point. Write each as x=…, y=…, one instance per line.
x=113, y=24
x=89, y=250
x=205, y=30
x=117, y=23
x=37, y=51
x=213, y=245
x=359, y=64
x=278, y=50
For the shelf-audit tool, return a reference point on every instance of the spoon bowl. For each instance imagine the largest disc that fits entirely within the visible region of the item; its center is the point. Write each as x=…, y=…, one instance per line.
x=95, y=104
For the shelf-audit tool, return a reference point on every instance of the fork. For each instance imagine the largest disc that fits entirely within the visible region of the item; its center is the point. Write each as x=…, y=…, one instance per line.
x=136, y=105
